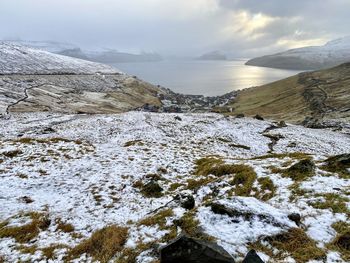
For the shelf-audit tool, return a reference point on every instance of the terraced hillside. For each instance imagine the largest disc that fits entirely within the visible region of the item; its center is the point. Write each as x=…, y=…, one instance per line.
x=320, y=96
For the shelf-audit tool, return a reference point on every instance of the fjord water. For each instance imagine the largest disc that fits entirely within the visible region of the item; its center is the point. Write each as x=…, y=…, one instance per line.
x=209, y=78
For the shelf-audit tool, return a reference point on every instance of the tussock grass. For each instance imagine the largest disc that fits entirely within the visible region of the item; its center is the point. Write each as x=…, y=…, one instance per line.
x=334, y=202
x=341, y=243
x=157, y=219
x=267, y=189
x=133, y=143
x=295, y=155
x=243, y=180
x=338, y=164
x=64, y=227
x=25, y=233
x=297, y=244
x=102, y=245
x=12, y=154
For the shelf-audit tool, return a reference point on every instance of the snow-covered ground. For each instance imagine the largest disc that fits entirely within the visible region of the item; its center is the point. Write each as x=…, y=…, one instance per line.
x=84, y=169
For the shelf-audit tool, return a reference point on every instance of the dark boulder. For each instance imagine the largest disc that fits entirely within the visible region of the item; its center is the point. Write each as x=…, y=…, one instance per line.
x=185, y=200
x=177, y=118
x=295, y=217
x=185, y=249
x=258, y=117
x=252, y=257
x=338, y=162
x=239, y=116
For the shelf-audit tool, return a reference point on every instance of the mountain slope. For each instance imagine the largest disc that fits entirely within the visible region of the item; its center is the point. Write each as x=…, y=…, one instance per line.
x=320, y=96
x=318, y=57
x=35, y=80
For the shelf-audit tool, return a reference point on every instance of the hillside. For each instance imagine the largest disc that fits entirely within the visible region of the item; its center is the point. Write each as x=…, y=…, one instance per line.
x=321, y=96
x=119, y=184
x=331, y=54
x=36, y=80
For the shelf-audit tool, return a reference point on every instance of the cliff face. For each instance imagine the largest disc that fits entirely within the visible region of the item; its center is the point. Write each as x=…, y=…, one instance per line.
x=35, y=80
x=320, y=95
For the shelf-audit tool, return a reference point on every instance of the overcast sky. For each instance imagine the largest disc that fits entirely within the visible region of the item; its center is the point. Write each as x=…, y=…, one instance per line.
x=180, y=27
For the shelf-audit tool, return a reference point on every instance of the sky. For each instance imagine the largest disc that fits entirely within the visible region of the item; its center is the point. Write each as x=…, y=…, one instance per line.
x=243, y=28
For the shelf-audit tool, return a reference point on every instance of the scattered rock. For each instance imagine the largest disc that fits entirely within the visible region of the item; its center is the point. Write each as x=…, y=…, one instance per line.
x=258, y=117
x=186, y=200
x=305, y=166
x=292, y=145
x=295, y=217
x=48, y=130
x=152, y=189
x=282, y=124
x=27, y=199
x=252, y=257
x=239, y=116
x=177, y=118
x=185, y=249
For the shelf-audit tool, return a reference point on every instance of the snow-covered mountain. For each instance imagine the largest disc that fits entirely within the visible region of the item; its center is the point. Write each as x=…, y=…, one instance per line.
x=331, y=54
x=50, y=46
x=17, y=59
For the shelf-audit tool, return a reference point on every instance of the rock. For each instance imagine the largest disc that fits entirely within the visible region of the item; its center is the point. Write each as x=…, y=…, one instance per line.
x=295, y=217
x=282, y=124
x=152, y=189
x=292, y=145
x=27, y=199
x=252, y=257
x=305, y=166
x=177, y=118
x=186, y=200
x=239, y=116
x=185, y=249
x=258, y=117
x=48, y=130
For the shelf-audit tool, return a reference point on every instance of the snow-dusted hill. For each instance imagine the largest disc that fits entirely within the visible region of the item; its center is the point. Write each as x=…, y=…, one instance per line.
x=17, y=59
x=36, y=80
x=63, y=177
x=316, y=57
x=50, y=46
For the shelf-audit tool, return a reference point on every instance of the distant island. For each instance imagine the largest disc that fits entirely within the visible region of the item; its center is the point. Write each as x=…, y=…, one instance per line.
x=214, y=55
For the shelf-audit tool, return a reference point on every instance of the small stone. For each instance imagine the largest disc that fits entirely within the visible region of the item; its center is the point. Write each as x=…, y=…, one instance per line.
x=252, y=257
x=239, y=116
x=258, y=117
x=186, y=200
x=27, y=199
x=282, y=124
x=295, y=217
x=177, y=118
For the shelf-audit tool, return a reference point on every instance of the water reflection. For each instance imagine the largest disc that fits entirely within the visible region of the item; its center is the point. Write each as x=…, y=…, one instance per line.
x=209, y=78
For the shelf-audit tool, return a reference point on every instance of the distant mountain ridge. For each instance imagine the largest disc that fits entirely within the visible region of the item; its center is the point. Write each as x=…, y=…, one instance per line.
x=101, y=55
x=333, y=53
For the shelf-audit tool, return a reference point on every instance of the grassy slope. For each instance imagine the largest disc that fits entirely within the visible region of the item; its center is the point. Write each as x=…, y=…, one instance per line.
x=283, y=100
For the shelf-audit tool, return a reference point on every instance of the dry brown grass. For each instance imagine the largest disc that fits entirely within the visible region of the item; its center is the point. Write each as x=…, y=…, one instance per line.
x=297, y=244
x=102, y=245
x=26, y=233
x=157, y=219
x=64, y=227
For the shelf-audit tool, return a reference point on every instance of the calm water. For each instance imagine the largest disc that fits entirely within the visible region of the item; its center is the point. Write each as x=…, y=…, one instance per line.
x=208, y=78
